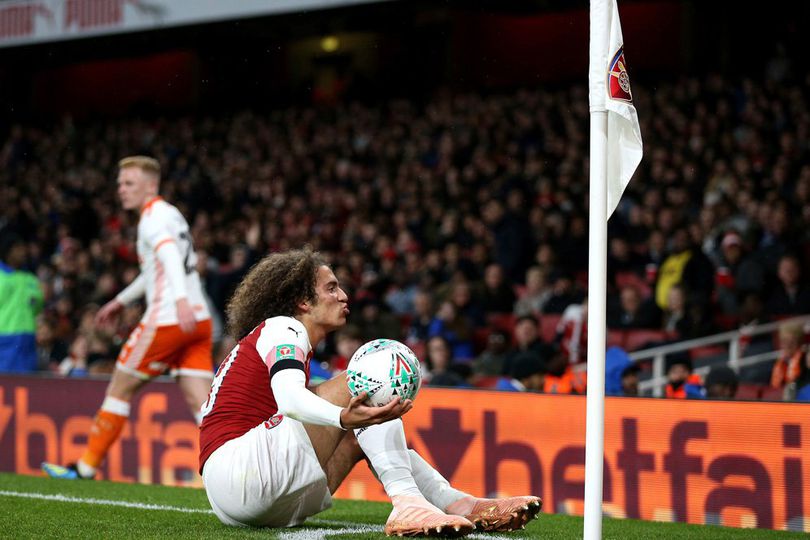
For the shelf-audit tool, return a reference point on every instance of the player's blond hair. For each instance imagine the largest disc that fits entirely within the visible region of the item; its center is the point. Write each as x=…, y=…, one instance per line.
x=274, y=287
x=147, y=164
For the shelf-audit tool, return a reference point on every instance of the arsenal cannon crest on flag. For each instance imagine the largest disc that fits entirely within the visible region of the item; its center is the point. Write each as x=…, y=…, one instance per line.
x=618, y=83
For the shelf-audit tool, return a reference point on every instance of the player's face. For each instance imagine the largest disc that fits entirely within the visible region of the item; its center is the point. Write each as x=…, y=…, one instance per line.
x=135, y=188
x=331, y=309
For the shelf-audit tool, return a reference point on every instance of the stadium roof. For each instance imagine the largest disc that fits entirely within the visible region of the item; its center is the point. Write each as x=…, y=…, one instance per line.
x=25, y=22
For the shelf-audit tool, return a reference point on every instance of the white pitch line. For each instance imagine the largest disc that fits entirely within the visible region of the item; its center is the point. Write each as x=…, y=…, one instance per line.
x=301, y=534
x=372, y=528
x=104, y=502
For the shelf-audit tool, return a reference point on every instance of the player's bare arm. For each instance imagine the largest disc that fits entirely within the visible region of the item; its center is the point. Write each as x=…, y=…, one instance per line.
x=108, y=311
x=132, y=292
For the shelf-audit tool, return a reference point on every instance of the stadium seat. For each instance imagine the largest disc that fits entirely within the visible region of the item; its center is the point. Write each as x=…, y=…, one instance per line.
x=487, y=382
x=405, y=320
x=750, y=391
x=636, y=339
x=480, y=336
x=625, y=279
x=616, y=338
x=548, y=326
x=770, y=393
x=708, y=351
x=418, y=348
x=726, y=322
x=502, y=321
x=631, y=279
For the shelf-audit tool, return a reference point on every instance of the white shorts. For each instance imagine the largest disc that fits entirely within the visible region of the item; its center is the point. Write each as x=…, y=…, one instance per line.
x=268, y=477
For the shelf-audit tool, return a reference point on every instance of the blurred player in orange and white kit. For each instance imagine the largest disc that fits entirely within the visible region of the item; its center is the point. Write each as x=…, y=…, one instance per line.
x=272, y=451
x=175, y=331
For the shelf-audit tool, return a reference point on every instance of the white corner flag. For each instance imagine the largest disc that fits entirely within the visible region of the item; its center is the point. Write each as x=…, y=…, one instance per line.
x=614, y=155
x=610, y=88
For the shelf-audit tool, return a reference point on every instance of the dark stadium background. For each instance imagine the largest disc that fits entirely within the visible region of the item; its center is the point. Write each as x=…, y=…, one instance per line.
x=394, y=49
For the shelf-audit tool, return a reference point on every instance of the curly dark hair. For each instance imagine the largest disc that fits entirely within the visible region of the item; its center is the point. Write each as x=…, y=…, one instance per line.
x=273, y=287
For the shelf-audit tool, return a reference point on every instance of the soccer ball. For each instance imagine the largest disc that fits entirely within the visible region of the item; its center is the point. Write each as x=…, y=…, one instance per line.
x=384, y=368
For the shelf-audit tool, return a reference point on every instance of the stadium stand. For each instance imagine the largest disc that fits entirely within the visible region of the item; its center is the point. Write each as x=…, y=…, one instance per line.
x=370, y=184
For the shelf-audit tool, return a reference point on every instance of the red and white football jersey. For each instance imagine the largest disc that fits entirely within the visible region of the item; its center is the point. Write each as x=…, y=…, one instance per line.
x=241, y=397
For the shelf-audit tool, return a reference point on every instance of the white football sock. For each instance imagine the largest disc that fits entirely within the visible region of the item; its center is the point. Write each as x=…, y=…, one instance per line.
x=432, y=484
x=385, y=447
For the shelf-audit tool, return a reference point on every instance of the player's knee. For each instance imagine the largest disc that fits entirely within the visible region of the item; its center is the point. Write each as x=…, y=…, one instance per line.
x=334, y=391
x=123, y=385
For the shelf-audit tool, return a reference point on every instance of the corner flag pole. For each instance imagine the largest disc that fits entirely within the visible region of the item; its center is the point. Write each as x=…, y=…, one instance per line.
x=597, y=270
x=616, y=151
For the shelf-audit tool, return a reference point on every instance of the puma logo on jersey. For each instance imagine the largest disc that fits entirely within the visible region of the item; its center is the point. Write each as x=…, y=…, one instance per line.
x=291, y=329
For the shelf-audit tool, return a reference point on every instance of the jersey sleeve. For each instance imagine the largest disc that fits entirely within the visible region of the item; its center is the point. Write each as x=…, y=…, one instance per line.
x=283, y=344
x=154, y=229
x=296, y=401
x=169, y=256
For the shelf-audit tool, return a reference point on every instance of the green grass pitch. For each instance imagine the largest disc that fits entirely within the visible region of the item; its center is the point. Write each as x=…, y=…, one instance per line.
x=33, y=507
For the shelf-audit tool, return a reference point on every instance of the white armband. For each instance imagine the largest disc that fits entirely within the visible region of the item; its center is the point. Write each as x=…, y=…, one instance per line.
x=294, y=400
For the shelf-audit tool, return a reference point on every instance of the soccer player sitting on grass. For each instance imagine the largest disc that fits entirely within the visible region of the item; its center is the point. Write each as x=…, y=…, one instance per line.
x=272, y=452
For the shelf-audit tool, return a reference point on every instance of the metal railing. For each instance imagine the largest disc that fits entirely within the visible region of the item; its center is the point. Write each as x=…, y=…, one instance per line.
x=732, y=338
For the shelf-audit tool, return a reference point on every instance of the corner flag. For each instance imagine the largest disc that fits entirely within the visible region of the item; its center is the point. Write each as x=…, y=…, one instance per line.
x=614, y=155
x=612, y=90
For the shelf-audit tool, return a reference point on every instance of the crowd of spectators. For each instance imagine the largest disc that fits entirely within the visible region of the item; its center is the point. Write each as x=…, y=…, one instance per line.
x=440, y=218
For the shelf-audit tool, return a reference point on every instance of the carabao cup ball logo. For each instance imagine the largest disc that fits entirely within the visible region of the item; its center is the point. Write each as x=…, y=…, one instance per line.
x=384, y=368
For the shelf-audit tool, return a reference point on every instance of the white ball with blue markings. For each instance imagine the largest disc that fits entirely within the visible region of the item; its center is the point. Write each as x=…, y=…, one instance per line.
x=384, y=369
